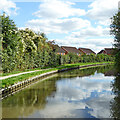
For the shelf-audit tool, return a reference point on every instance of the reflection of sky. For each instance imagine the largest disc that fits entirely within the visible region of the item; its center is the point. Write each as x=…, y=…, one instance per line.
x=80, y=97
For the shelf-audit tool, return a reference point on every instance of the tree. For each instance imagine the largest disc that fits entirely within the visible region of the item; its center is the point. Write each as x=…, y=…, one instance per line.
x=115, y=30
x=9, y=33
x=10, y=38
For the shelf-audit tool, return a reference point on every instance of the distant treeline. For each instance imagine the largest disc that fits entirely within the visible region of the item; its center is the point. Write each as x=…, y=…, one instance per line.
x=25, y=49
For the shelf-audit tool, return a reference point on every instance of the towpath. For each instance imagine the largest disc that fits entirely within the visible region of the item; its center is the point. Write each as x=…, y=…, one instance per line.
x=13, y=75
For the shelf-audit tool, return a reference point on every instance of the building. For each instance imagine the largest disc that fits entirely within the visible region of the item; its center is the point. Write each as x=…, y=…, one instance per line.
x=73, y=50
x=60, y=51
x=107, y=51
x=56, y=48
x=86, y=51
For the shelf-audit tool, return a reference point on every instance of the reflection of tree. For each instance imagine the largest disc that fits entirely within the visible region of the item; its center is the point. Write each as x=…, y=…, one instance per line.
x=76, y=73
x=115, y=103
x=105, y=69
x=27, y=101
x=87, y=72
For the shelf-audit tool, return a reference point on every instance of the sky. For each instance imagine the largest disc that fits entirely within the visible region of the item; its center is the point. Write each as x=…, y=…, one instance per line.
x=77, y=23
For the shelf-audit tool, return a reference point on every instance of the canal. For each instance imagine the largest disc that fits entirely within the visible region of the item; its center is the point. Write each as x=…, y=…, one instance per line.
x=86, y=93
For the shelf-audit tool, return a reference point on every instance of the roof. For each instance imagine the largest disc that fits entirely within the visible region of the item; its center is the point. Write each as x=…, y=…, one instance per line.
x=101, y=52
x=59, y=50
x=87, y=50
x=70, y=49
x=109, y=50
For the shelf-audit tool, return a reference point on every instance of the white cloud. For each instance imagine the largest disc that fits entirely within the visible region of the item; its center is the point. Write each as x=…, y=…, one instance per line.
x=44, y=0
x=95, y=38
x=57, y=25
x=60, y=16
x=8, y=7
x=96, y=44
x=92, y=32
x=103, y=10
x=105, y=22
x=52, y=9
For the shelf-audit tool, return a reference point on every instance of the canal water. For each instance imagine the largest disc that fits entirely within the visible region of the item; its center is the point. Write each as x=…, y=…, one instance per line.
x=86, y=93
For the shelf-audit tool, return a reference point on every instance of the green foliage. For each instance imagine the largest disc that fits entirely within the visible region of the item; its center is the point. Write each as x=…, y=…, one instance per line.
x=10, y=38
x=9, y=34
x=115, y=27
x=25, y=49
x=115, y=31
x=117, y=61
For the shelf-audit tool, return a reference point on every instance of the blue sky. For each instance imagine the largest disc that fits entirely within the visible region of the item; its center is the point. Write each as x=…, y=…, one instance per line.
x=78, y=23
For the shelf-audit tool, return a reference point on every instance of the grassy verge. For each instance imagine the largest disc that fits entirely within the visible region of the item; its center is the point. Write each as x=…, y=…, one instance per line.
x=60, y=66
x=12, y=80
x=79, y=64
x=15, y=72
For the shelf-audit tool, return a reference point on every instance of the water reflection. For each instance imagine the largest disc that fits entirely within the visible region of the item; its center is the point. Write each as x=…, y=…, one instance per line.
x=115, y=103
x=26, y=102
x=73, y=94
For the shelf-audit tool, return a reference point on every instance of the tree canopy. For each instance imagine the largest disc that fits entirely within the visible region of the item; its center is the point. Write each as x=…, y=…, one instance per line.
x=115, y=31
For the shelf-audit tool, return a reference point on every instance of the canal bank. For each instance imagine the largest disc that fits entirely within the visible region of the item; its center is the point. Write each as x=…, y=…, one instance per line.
x=83, y=93
x=23, y=84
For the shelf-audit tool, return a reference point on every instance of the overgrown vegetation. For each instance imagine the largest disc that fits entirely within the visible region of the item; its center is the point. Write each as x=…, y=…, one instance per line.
x=24, y=49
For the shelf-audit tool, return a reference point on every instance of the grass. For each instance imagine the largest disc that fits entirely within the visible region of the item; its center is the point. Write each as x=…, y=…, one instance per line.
x=12, y=80
x=80, y=64
x=15, y=72
x=59, y=66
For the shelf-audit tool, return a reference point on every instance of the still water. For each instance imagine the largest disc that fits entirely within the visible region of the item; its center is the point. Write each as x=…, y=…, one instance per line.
x=77, y=93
